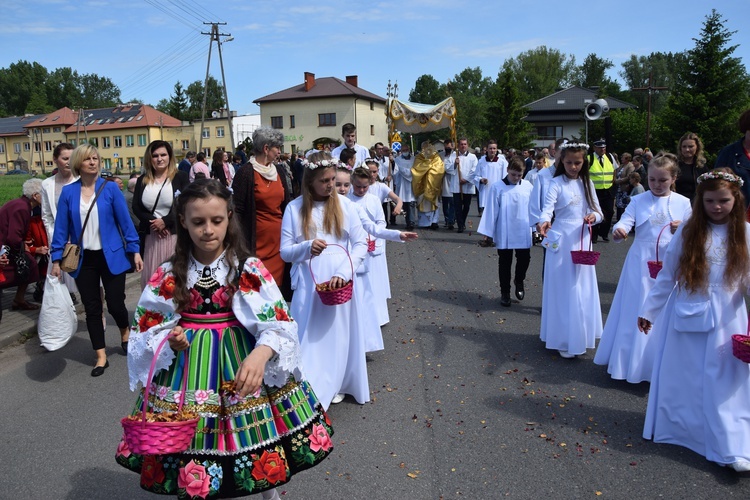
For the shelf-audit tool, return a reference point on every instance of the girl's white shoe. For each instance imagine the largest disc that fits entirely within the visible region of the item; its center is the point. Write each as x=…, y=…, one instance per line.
x=338, y=398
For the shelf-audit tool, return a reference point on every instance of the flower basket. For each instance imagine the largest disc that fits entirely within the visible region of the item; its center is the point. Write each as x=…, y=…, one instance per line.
x=585, y=257
x=161, y=433
x=370, y=244
x=741, y=346
x=654, y=266
x=334, y=297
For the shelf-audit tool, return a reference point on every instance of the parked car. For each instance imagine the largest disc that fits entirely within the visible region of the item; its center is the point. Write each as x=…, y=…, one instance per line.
x=17, y=172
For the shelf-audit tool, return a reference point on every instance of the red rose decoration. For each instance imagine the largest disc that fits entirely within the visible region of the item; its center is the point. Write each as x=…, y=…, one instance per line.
x=166, y=289
x=248, y=282
x=281, y=314
x=149, y=319
x=151, y=471
x=270, y=466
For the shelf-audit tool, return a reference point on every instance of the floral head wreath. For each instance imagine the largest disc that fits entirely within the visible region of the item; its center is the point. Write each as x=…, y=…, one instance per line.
x=322, y=163
x=722, y=176
x=574, y=145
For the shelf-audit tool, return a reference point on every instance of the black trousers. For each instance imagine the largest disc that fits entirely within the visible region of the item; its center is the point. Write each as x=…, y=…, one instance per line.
x=504, y=263
x=607, y=204
x=93, y=270
x=448, y=211
x=461, y=204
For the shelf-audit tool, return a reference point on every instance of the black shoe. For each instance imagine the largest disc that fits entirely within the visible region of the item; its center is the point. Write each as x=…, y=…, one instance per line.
x=124, y=345
x=520, y=292
x=460, y=229
x=38, y=295
x=99, y=370
x=451, y=227
x=595, y=240
x=605, y=239
x=434, y=226
x=505, y=300
x=410, y=228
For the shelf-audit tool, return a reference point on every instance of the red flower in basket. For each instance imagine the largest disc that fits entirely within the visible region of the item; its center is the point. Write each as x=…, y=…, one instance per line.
x=248, y=282
x=166, y=289
x=149, y=319
x=152, y=471
x=194, y=479
x=270, y=466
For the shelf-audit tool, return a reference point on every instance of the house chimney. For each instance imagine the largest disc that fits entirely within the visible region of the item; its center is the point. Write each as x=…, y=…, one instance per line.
x=309, y=81
x=352, y=80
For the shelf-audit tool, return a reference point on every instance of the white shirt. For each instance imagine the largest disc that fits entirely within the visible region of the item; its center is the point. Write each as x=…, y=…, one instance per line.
x=402, y=169
x=91, y=238
x=493, y=171
x=362, y=153
x=467, y=166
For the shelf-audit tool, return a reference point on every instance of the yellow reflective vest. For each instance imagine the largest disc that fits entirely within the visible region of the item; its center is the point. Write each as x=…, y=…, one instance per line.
x=602, y=174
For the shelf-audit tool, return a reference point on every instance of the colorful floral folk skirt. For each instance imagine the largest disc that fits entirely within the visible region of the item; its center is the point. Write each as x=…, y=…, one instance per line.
x=243, y=445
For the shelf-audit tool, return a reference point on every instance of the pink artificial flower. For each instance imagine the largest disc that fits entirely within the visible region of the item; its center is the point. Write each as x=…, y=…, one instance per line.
x=122, y=449
x=201, y=396
x=221, y=297
x=161, y=392
x=156, y=278
x=177, y=396
x=194, y=479
x=319, y=439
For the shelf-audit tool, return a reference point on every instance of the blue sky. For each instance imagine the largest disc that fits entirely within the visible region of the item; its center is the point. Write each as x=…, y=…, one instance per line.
x=145, y=46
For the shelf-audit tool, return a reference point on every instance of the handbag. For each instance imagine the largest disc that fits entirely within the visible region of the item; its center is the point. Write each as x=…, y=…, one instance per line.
x=142, y=233
x=71, y=256
x=22, y=263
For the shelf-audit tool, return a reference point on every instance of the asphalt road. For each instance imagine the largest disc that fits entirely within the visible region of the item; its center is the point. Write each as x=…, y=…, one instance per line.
x=466, y=403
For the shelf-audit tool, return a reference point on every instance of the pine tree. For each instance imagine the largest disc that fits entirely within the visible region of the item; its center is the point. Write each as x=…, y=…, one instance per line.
x=710, y=91
x=178, y=103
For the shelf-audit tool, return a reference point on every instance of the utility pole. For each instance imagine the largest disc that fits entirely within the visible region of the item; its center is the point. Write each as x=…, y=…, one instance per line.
x=650, y=89
x=214, y=36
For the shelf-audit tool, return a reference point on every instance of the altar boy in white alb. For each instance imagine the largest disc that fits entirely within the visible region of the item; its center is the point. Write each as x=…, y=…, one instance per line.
x=506, y=221
x=402, y=171
x=491, y=168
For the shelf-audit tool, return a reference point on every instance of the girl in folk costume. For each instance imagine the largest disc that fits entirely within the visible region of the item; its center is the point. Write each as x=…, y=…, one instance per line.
x=506, y=221
x=700, y=393
x=628, y=354
x=571, y=315
x=317, y=230
x=259, y=421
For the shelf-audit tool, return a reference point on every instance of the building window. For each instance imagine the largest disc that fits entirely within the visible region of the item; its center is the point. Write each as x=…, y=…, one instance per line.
x=94, y=141
x=185, y=145
x=2, y=148
x=37, y=147
x=141, y=139
x=219, y=131
x=372, y=106
x=131, y=163
x=45, y=130
x=48, y=145
x=129, y=141
x=107, y=163
x=291, y=121
x=206, y=133
x=26, y=146
x=17, y=147
x=57, y=130
x=372, y=129
x=549, y=133
x=207, y=152
x=326, y=119
x=118, y=141
x=48, y=164
x=277, y=121
x=105, y=142
x=73, y=142
x=38, y=164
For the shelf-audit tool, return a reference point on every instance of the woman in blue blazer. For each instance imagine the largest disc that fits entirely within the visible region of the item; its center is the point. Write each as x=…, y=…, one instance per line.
x=109, y=237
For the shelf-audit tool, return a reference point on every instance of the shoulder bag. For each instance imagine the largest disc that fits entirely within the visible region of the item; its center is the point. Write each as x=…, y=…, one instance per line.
x=72, y=253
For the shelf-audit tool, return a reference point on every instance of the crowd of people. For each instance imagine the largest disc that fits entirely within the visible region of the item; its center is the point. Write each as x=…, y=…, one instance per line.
x=271, y=275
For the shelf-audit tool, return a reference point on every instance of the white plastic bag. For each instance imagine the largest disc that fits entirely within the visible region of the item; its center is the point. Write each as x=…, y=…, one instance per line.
x=57, y=318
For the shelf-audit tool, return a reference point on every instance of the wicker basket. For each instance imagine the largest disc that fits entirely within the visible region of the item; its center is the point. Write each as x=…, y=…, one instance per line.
x=370, y=244
x=585, y=257
x=654, y=266
x=741, y=346
x=339, y=296
x=159, y=438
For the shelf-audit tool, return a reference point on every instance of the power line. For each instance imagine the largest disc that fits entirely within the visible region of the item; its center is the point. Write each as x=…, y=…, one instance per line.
x=176, y=15
x=168, y=55
x=207, y=14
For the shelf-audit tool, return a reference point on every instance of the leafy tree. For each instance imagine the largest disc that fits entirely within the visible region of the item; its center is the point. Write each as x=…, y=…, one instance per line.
x=469, y=89
x=38, y=102
x=62, y=88
x=506, y=111
x=194, y=93
x=710, y=91
x=17, y=85
x=663, y=67
x=427, y=90
x=628, y=130
x=593, y=73
x=97, y=92
x=163, y=105
x=541, y=71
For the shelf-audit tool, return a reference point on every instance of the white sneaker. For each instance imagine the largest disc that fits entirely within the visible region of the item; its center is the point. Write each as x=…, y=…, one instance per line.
x=338, y=398
x=741, y=466
x=566, y=355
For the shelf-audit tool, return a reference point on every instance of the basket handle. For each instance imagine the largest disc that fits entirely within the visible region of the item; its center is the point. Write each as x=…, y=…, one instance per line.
x=591, y=235
x=146, y=388
x=347, y=255
x=659, y=238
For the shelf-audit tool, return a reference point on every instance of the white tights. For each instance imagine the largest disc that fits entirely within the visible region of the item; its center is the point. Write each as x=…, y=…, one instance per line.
x=270, y=495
